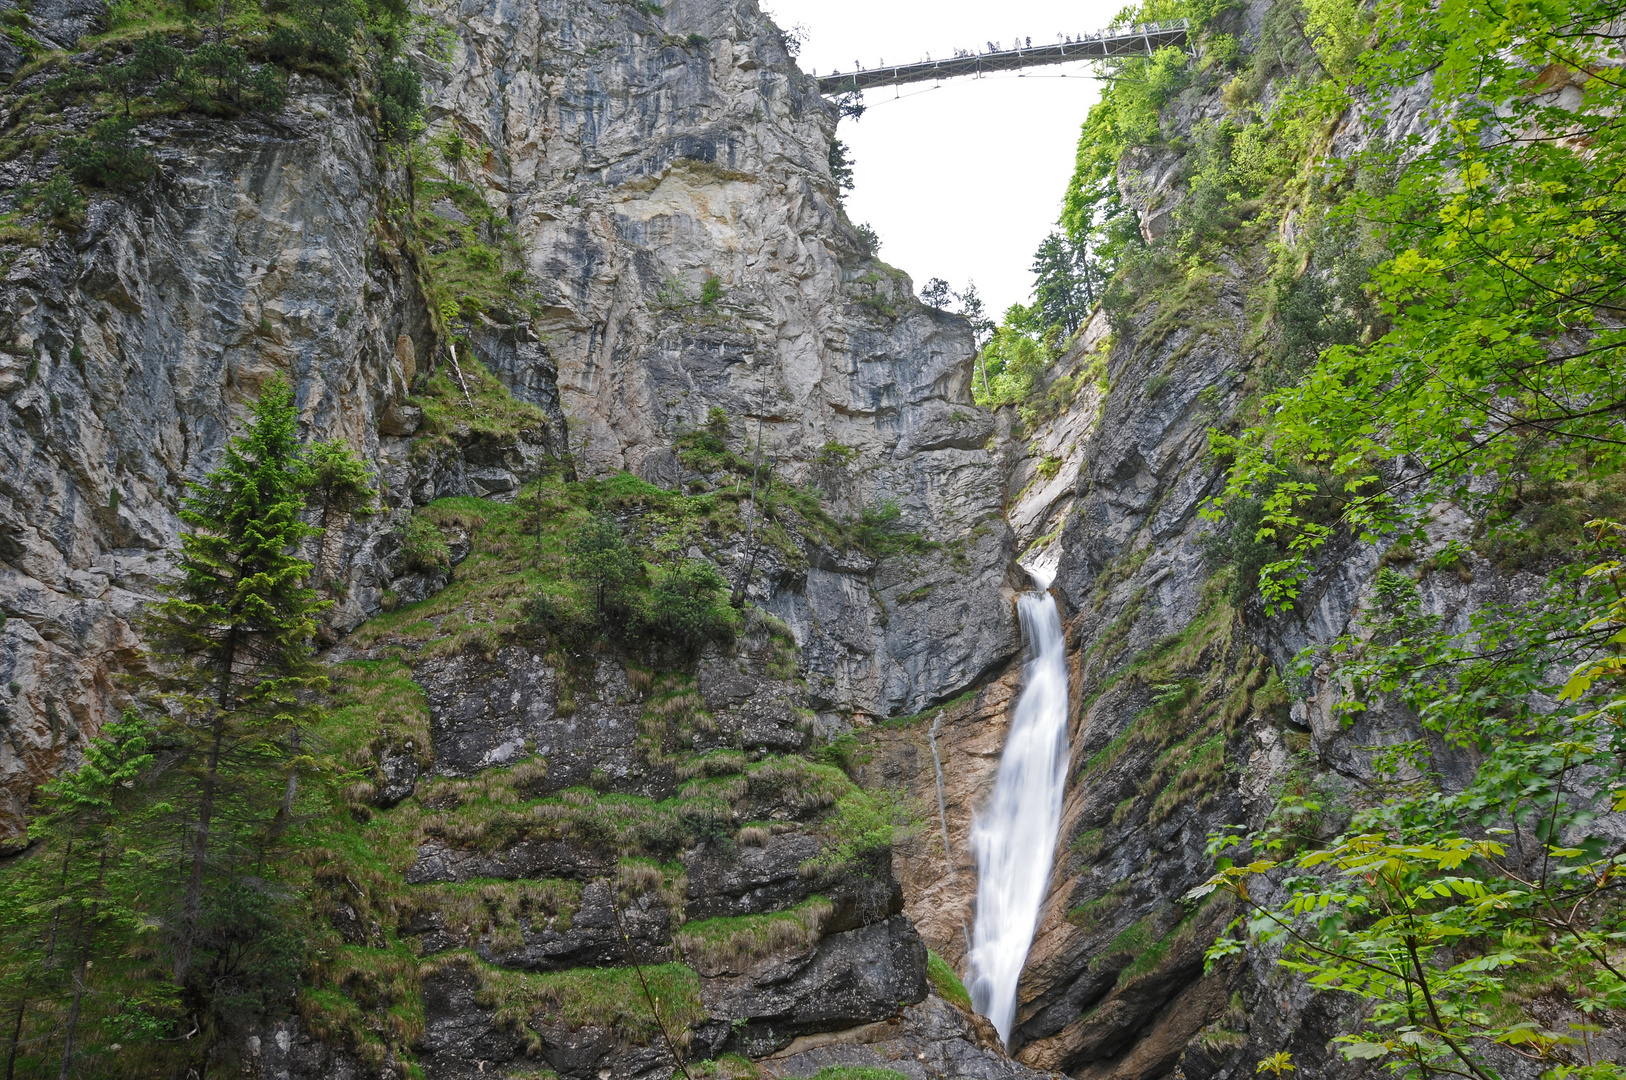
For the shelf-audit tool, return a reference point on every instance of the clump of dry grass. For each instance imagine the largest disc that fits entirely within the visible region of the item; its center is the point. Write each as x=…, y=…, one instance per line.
x=637, y=878
x=488, y=812
x=379, y=896
x=759, y=833
x=673, y=713
x=379, y=1006
x=611, y=998
x=377, y=707
x=769, y=636
x=498, y=787
x=641, y=679
x=466, y=514
x=1201, y=768
x=727, y=1067
x=792, y=783
x=497, y=912
x=715, y=763
x=485, y=604
x=643, y=877
x=587, y=819
x=730, y=788
x=730, y=946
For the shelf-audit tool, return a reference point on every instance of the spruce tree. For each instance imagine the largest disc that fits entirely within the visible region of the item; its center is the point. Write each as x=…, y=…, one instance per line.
x=94, y=917
x=236, y=633
x=71, y=908
x=609, y=568
x=1062, y=287
x=338, y=483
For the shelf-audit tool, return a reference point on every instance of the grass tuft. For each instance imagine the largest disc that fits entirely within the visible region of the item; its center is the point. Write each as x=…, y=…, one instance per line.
x=731, y=945
x=610, y=998
x=947, y=983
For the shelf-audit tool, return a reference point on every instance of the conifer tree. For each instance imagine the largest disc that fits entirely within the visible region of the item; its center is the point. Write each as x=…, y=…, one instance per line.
x=338, y=483
x=87, y=803
x=236, y=631
x=603, y=561
x=72, y=908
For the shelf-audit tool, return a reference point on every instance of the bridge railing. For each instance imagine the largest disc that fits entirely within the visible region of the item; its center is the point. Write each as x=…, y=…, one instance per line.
x=1142, y=39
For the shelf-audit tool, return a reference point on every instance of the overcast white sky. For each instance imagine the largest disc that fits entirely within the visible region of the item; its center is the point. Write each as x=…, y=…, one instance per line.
x=961, y=182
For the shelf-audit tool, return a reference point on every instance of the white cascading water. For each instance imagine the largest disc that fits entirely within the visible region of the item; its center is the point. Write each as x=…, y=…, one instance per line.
x=1015, y=839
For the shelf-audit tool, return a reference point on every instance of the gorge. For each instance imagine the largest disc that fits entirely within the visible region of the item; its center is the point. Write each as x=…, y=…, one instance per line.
x=498, y=578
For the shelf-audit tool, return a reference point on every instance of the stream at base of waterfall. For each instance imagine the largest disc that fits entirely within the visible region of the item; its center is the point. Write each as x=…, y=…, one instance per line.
x=1014, y=838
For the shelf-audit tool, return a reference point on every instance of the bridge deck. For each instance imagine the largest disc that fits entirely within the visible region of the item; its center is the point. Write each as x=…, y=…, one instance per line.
x=1124, y=41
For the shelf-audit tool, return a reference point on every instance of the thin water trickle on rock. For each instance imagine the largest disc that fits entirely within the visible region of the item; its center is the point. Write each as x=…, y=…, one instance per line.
x=1014, y=840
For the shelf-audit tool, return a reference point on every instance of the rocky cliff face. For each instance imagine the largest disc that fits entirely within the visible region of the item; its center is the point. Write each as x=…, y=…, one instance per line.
x=541, y=819
x=641, y=155
x=634, y=157
x=127, y=351
x=1184, y=719
x=663, y=176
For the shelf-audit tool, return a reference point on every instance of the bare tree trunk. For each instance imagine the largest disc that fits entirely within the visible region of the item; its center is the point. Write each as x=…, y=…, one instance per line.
x=751, y=565
x=192, y=904
x=85, y=932
x=56, y=915
x=16, y=1040
x=321, y=544
x=290, y=792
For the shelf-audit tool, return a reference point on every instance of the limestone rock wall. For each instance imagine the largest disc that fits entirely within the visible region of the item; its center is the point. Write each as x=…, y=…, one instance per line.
x=635, y=155
x=640, y=154
x=1180, y=722
x=126, y=355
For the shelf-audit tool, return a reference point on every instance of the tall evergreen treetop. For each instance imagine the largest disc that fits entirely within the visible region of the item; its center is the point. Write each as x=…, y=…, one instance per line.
x=244, y=612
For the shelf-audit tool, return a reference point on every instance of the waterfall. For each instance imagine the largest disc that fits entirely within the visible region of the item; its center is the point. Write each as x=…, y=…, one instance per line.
x=1014, y=840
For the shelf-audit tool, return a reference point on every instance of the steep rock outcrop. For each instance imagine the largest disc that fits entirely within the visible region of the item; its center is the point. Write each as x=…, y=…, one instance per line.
x=635, y=156
x=641, y=155
x=125, y=356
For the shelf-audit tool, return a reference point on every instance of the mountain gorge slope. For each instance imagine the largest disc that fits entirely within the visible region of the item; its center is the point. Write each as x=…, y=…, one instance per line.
x=609, y=285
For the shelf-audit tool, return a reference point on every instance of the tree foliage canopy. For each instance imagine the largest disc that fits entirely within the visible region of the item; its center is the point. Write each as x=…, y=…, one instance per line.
x=1502, y=365
x=1488, y=374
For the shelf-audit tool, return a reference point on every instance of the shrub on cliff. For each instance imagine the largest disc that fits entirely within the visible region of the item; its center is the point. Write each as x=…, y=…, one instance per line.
x=672, y=617
x=400, y=100
x=423, y=548
x=841, y=166
x=218, y=78
x=879, y=531
x=338, y=484
x=61, y=202
x=322, y=32
x=687, y=608
x=109, y=156
x=608, y=569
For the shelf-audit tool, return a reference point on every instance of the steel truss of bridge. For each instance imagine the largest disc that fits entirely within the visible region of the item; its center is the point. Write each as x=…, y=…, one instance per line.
x=1139, y=40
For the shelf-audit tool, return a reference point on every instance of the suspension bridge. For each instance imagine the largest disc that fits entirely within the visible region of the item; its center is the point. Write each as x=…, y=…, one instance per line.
x=1139, y=40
